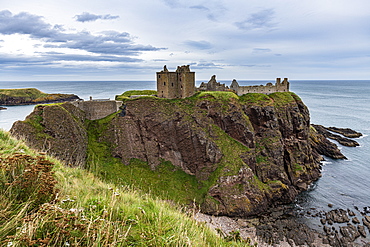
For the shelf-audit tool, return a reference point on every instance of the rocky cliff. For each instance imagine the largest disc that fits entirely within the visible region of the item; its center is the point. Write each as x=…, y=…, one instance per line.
x=56, y=129
x=31, y=96
x=246, y=153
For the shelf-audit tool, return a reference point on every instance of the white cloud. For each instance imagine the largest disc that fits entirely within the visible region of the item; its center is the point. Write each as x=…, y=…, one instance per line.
x=238, y=39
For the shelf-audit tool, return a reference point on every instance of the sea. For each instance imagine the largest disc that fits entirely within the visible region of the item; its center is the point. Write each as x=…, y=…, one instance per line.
x=340, y=103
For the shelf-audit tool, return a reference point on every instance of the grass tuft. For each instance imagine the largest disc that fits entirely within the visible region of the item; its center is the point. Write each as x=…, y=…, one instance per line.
x=44, y=203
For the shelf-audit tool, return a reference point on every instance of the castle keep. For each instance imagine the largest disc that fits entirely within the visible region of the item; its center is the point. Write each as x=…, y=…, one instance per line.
x=181, y=84
x=178, y=84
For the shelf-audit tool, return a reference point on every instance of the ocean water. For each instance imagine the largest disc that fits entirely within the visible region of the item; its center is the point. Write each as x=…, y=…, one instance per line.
x=84, y=89
x=341, y=104
x=344, y=183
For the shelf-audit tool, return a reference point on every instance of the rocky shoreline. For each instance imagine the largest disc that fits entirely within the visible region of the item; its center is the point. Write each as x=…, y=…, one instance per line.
x=279, y=227
x=326, y=131
x=284, y=227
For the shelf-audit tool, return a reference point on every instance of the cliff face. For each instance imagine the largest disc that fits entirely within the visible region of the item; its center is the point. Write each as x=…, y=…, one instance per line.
x=31, y=96
x=56, y=129
x=248, y=153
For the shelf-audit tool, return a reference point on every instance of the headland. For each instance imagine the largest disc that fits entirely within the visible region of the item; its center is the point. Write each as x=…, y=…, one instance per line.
x=215, y=151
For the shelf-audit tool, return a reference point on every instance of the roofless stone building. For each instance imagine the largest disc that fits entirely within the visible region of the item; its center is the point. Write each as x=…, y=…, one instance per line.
x=178, y=84
x=181, y=84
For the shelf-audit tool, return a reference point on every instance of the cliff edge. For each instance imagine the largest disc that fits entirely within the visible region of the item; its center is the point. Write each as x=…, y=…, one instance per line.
x=231, y=155
x=31, y=96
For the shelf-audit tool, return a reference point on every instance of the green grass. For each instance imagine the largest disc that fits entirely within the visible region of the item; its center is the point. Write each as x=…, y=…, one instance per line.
x=216, y=95
x=126, y=95
x=165, y=181
x=283, y=99
x=27, y=93
x=256, y=99
x=79, y=209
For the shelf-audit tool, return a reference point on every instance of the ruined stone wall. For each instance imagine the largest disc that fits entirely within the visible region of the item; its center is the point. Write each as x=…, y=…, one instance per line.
x=212, y=85
x=98, y=109
x=265, y=89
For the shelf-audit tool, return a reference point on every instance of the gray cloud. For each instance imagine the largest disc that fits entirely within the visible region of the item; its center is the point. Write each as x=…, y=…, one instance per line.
x=25, y=23
x=205, y=65
x=74, y=57
x=261, y=50
x=255, y=65
x=172, y=3
x=199, y=7
x=259, y=20
x=16, y=60
x=200, y=45
x=108, y=42
x=87, y=17
x=160, y=60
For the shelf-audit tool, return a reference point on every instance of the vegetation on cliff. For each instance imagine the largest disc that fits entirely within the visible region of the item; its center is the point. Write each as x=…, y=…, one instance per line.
x=44, y=203
x=227, y=154
x=126, y=95
x=28, y=96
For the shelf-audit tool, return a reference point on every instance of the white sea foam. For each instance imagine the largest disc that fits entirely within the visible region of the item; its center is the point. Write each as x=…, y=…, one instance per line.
x=325, y=162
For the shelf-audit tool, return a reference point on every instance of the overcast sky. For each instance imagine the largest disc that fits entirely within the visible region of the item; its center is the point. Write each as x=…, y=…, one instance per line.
x=131, y=40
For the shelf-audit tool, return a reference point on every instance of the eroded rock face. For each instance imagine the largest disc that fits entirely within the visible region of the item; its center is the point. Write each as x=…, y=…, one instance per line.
x=276, y=162
x=250, y=155
x=57, y=130
x=149, y=134
x=323, y=146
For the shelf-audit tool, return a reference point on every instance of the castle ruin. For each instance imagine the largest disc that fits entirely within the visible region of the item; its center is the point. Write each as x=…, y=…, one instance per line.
x=181, y=84
x=212, y=85
x=178, y=84
x=265, y=89
x=97, y=109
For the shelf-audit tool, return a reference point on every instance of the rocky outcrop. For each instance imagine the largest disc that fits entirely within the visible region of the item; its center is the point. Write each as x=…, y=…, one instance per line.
x=342, y=140
x=56, y=129
x=347, y=132
x=322, y=145
x=31, y=96
x=247, y=153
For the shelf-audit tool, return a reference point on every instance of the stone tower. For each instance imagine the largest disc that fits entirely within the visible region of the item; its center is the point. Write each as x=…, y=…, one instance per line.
x=178, y=84
x=282, y=86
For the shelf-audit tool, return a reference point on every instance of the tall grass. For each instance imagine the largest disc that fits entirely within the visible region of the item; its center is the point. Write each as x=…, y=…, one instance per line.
x=44, y=203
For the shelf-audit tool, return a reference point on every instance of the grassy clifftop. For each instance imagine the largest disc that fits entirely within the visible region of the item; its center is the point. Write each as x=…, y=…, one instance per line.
x=30, y=96
x=44, y=203
x=31, y=93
